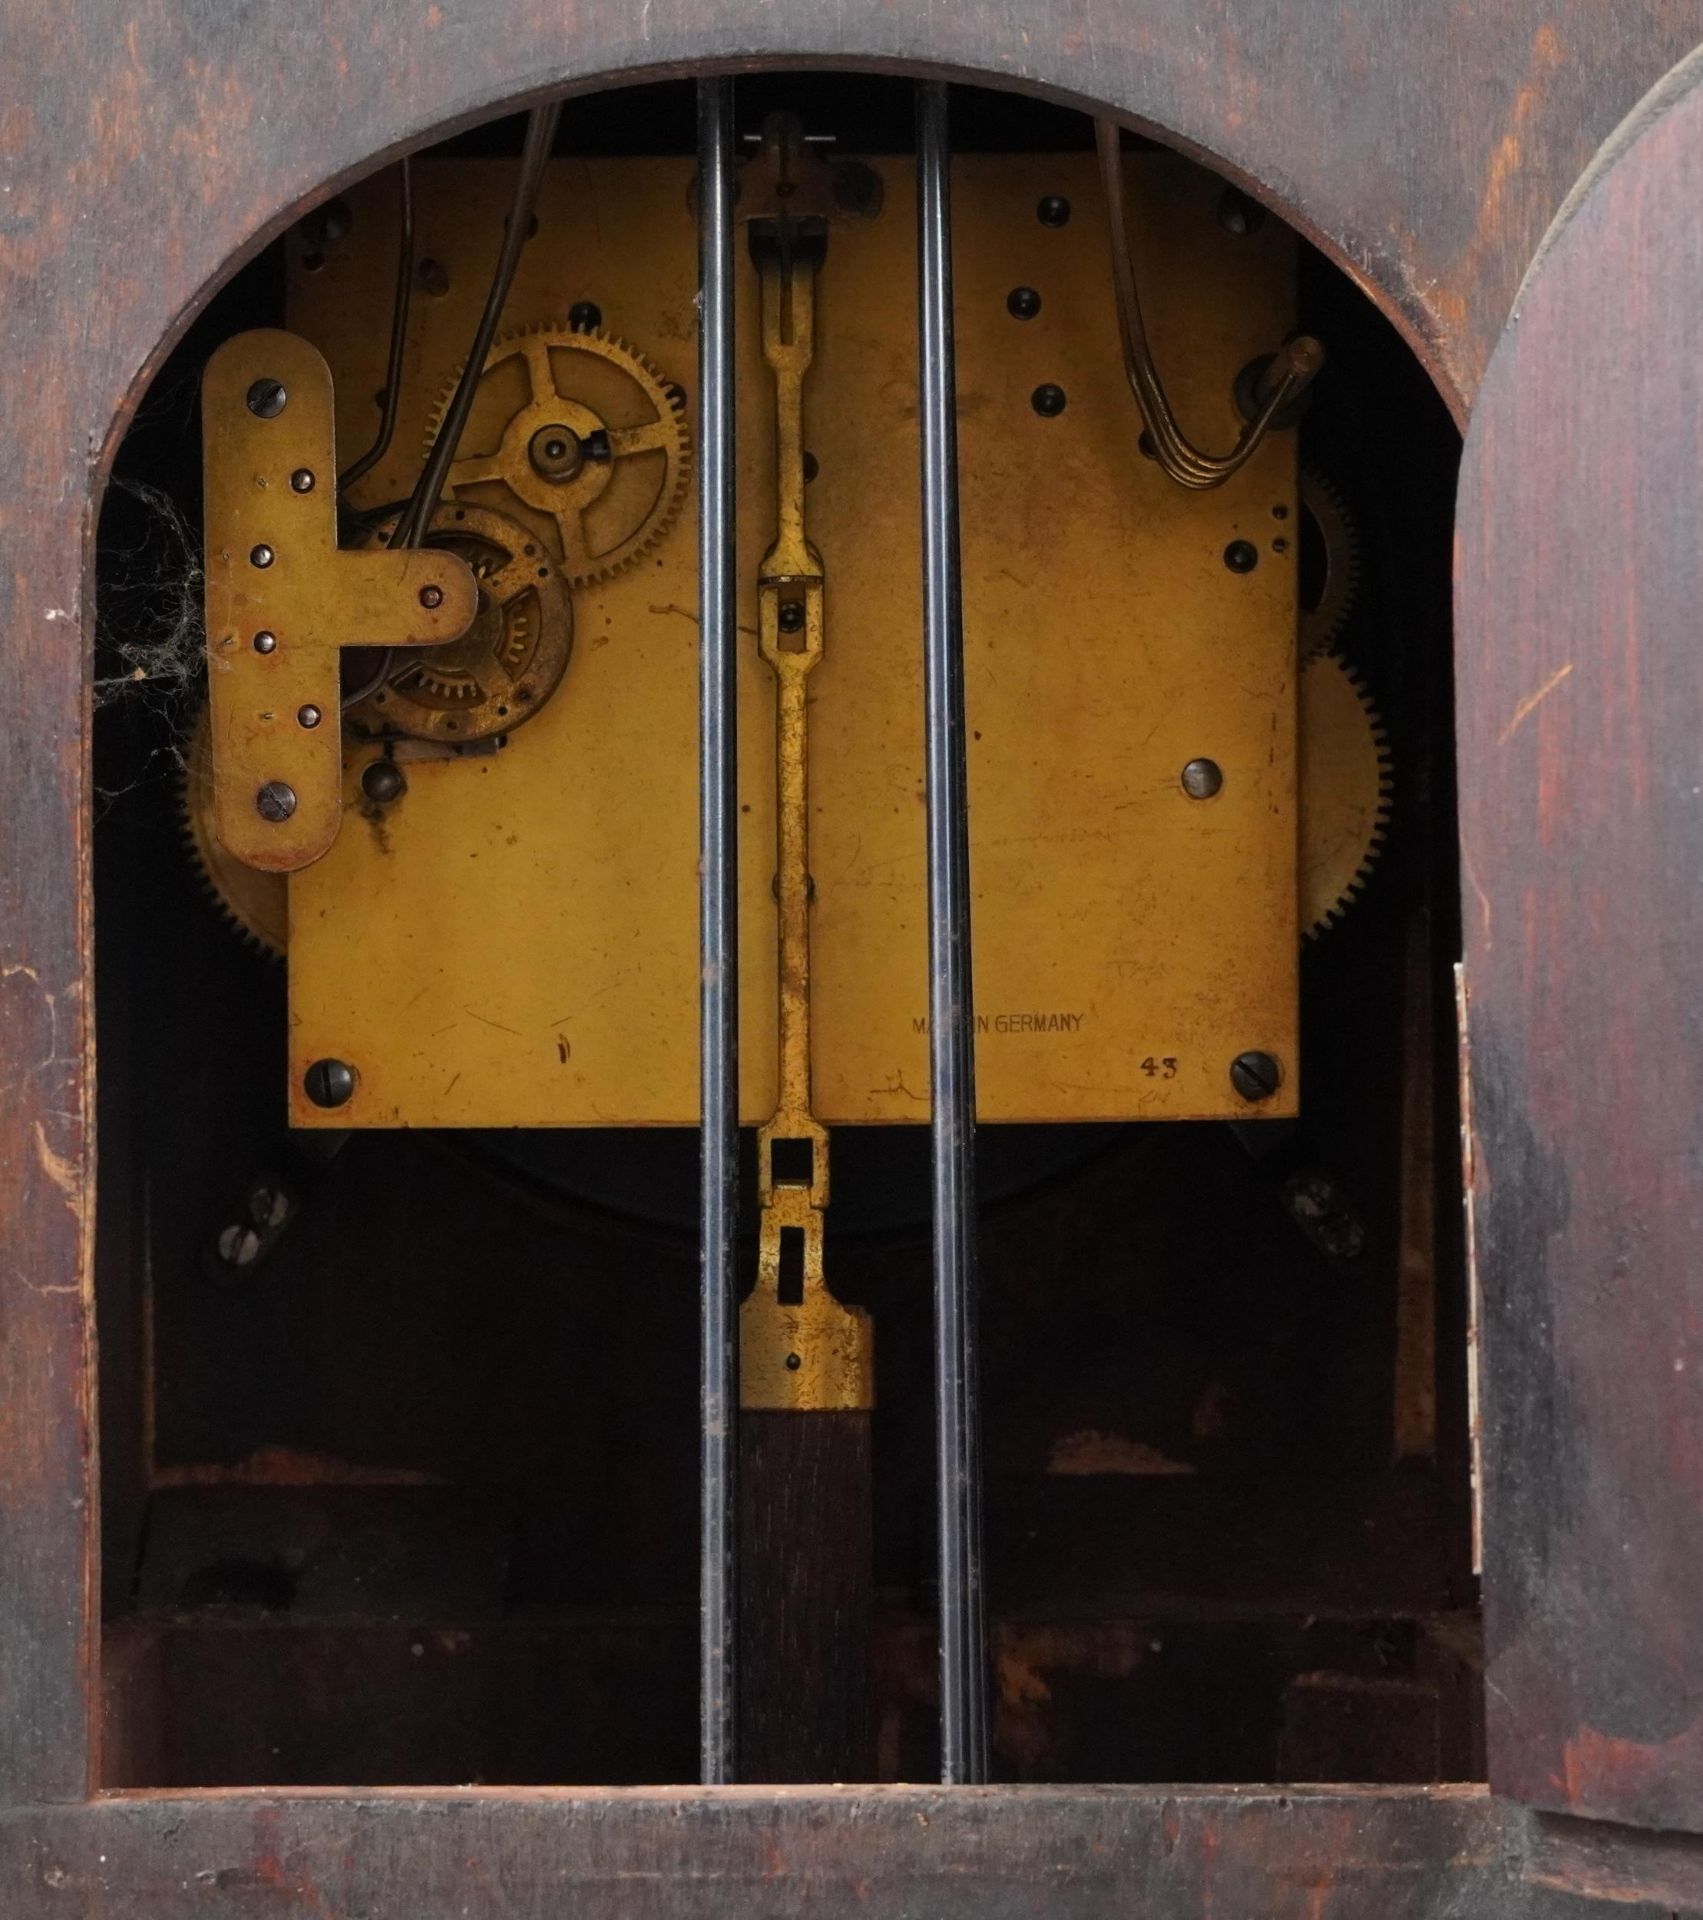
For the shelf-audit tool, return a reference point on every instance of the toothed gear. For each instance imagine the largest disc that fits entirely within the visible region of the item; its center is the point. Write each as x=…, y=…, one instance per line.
x=1336, y=555
x=510, y=660
x=577, y=435
x=256, y=903
x=1345, y=782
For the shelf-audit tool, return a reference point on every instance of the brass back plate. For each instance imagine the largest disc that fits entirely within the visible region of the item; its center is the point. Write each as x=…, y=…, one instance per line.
x=514, y=942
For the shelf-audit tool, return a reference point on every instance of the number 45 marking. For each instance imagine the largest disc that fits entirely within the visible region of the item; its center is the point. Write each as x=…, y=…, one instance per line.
x=1161, y=1069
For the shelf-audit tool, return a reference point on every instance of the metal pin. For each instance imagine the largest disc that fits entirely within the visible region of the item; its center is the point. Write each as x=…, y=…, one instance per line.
x=951, y=1025
x=718, y=933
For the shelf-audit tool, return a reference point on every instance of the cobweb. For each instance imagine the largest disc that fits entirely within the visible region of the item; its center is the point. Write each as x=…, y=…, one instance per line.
x=150, y=633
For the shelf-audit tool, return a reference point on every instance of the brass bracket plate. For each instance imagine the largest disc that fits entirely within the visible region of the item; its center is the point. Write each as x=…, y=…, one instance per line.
x=283, y=599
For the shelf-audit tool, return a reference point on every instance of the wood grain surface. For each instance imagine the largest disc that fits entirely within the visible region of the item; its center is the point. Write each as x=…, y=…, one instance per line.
x=148, y=147
x=806, y=1555
x=1580, y=684
x=968, y=1854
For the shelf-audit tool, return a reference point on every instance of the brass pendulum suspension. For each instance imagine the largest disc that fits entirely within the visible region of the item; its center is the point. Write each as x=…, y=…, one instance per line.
x=806, y=1374
x=799, y=1347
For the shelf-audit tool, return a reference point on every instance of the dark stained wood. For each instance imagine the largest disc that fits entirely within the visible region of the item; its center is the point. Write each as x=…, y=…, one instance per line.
x=1070, y=1853
x=806, y=1550
x=1581, y=712
x=229, y=1699
x=1619, y=1865
x=47, y=1598
x=146, y=147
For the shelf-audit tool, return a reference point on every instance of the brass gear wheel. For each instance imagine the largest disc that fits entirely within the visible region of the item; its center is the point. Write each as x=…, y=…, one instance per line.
x=506, y=665
x=580, y=438
x=256, y=903
x=1344, y=784
x=1331, y=563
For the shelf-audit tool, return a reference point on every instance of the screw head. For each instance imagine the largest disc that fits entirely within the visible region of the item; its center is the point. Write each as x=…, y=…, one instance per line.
x=301, y=481
x=1202, y=779
x=1048, y=401
x=261, y=556
x=1238, y=214
x=1241, y=556
x=1022, y=303
x=431, y=597
x=238, y=1246
x=789, y=617
x=584, y=316
x=329, y=1083
x=275, y=801
x=265, y=641
x=267, y=1205
x=267, y=398
x=1053, y=210
x=1325, y=1214
x=383, y=780
x=308, y=716
x=1255, y=1075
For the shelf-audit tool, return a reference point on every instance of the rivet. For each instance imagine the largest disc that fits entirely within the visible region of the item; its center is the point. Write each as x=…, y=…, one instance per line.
x=301, y=481
x=308, y=716
x=1048, y=401
x=431, y=596
x=1202, y=779
x=793, y=1363
x=1022, y=303
x=584, y=316
x=790, y=616
x=434, y=278
x=1241, y=556
x=1053, y=210
x=264, y=641
x=261, y=556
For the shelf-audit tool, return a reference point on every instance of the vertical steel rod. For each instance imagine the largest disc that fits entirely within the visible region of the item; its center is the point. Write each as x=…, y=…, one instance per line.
x=718, y=934
x=951, y=1011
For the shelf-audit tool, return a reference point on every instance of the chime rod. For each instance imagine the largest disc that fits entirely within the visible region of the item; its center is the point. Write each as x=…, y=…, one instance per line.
x=951, y=1013
x=718, y=933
